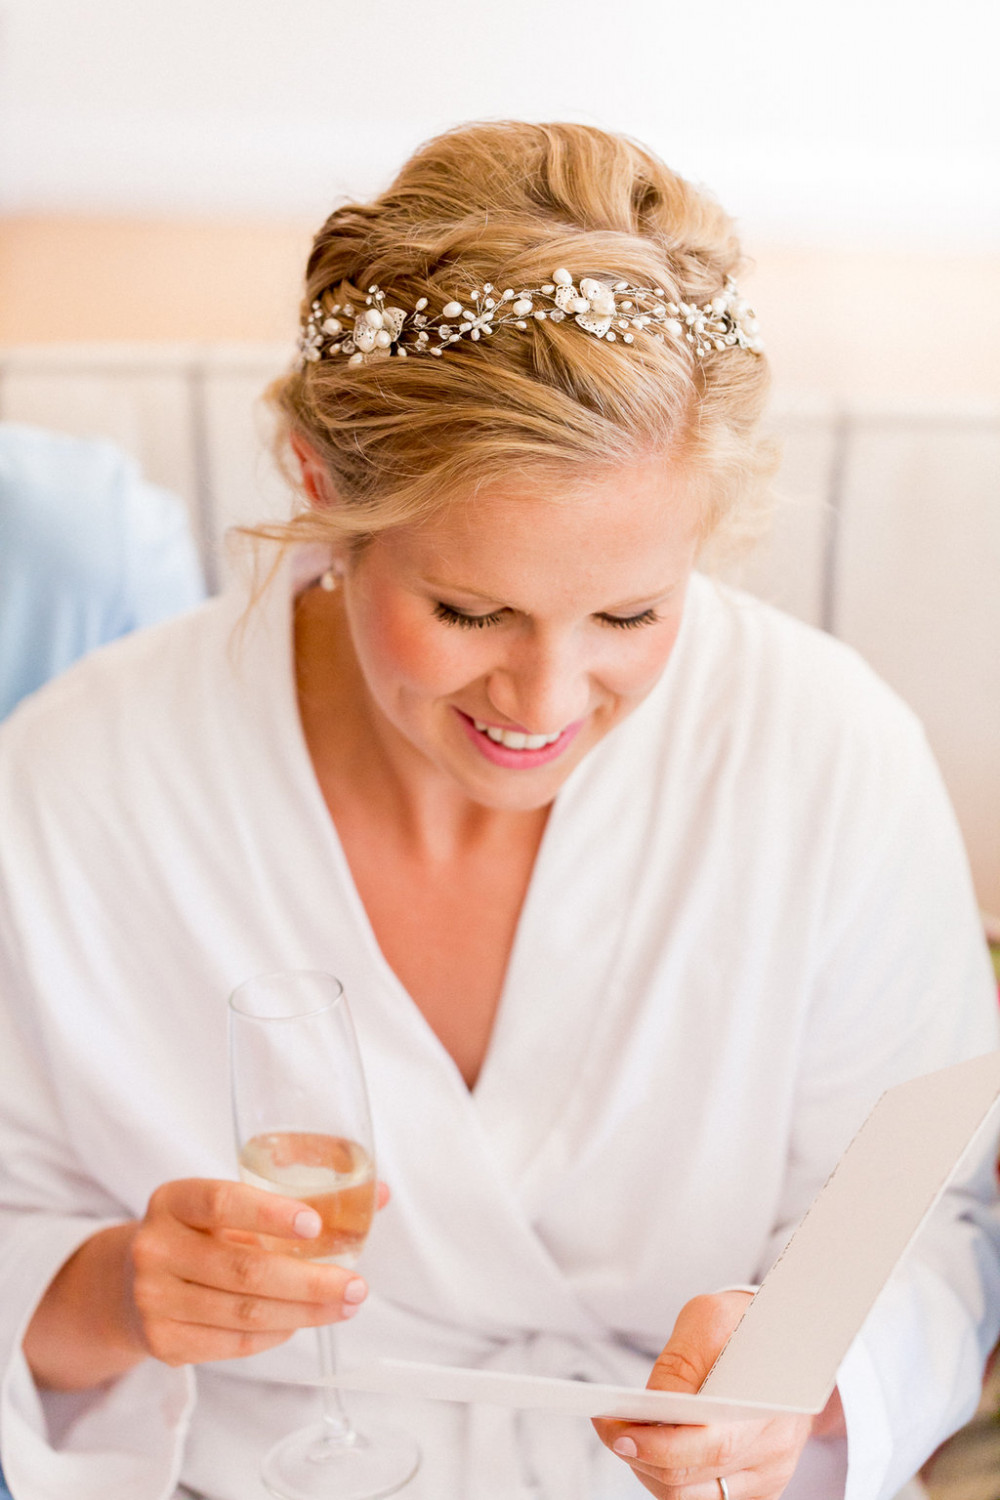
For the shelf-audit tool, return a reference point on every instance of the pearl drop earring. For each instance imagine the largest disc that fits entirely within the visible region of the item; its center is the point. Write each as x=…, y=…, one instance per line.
x=328, y=580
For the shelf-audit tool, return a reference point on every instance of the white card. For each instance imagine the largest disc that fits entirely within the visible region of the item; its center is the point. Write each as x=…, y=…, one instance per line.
x=785, y=1353
x=816, y=1296
x=582, y=1398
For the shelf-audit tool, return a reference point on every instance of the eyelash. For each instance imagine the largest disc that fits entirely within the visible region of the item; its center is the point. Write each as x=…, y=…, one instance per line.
x=631, y=622
x=450, y=616
x=466, y=622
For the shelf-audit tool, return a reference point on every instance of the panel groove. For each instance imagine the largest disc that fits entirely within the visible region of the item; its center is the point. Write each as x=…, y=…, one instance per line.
x=830, y=561
x=204, y=489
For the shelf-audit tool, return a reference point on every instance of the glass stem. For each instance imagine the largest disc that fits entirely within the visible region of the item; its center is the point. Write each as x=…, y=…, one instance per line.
x=338, y=1432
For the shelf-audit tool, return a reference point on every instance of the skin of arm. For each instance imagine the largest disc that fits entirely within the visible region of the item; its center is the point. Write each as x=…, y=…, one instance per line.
x=85, y=1329
x=188, y=1282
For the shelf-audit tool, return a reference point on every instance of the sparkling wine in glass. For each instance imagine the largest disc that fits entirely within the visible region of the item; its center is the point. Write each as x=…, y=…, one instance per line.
x=303, y=1129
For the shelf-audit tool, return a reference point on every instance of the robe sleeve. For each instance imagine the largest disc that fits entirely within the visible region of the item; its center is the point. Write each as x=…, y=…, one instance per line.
x=123, y=1440
x=902, y=987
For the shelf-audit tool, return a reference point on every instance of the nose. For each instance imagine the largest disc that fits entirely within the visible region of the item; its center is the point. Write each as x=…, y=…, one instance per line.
x=541, y=686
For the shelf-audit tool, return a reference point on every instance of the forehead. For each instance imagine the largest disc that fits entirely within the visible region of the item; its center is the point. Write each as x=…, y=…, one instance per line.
x=633, y=527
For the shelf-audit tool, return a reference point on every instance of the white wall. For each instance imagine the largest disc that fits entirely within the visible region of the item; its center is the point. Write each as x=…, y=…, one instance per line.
x=864, y=121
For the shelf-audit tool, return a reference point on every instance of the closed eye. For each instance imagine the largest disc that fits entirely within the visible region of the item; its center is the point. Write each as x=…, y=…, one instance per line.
x=466, y=622
x=631, y=622
x=452, y=616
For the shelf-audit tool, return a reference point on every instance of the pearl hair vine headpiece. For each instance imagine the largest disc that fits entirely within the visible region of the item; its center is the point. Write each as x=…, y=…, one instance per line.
x=611, y=311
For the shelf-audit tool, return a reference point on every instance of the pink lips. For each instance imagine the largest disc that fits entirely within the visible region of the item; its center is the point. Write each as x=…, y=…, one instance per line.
x=517, y=760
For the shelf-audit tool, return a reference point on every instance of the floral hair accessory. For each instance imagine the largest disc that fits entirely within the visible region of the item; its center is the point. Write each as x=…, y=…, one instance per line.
x=605, y=310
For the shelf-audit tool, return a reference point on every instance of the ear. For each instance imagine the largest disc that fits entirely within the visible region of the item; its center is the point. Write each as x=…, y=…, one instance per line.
x=316, y=479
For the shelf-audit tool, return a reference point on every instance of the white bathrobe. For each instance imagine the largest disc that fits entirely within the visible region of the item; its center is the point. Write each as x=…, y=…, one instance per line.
x=750, y=914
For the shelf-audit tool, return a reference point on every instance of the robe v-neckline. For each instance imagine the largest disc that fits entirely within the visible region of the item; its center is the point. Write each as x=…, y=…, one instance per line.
x=547, y=1030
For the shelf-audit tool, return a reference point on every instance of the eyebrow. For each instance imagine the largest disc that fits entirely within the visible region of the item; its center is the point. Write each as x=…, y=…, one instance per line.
x=649, y=601
x=437, y=585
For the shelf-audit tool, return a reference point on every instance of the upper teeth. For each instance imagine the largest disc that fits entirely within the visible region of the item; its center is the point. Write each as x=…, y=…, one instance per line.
x=514, y=739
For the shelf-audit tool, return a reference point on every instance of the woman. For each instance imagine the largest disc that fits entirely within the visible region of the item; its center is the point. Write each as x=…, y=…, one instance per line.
x=641, y=892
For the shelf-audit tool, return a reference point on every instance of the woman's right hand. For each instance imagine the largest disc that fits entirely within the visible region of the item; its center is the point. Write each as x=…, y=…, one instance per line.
x=204, y=1289
x=188, y=1282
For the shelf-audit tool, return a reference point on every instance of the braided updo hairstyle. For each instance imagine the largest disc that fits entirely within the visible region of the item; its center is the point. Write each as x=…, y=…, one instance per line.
x=505, y=203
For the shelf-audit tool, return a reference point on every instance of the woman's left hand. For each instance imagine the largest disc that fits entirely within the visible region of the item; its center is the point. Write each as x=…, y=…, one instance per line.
x=756, y=1459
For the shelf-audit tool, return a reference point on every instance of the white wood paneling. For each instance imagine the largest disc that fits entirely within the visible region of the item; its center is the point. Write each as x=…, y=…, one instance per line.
x=788, y=566
x=245, y=483
x=146, y=408
x=918, y=594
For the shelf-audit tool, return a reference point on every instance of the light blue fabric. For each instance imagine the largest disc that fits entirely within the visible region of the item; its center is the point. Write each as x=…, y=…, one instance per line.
x=88, y=551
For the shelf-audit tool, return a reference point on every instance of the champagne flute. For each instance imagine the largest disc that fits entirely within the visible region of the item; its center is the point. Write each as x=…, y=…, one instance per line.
x=303, y=1129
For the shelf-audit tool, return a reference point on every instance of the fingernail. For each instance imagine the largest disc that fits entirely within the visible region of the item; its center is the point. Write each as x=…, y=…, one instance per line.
x=348, y=1310
x=625, y=1448
x=307, y=1223
x=355, y=1291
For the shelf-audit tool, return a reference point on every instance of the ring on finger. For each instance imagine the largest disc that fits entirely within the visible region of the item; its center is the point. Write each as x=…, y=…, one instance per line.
x=723, y=1488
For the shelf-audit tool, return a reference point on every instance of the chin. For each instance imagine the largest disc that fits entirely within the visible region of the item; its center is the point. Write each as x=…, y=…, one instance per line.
x=521, y=799
x=520, y=791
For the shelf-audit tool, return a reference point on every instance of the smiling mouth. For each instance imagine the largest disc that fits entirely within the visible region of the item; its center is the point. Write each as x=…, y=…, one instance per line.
x=515, y=739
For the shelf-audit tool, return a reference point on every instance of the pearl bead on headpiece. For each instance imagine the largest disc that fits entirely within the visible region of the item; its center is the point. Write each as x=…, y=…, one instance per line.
x=605, y=310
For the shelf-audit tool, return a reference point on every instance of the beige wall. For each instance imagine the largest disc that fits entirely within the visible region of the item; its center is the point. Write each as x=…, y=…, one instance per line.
x=877, y=325
x=64, y=280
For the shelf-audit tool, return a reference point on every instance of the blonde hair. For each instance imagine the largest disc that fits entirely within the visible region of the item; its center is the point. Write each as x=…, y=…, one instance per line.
x=507, y=202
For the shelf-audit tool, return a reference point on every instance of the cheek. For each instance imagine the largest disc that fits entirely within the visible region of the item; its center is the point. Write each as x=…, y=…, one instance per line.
x=412, y=651
x=640, y=670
